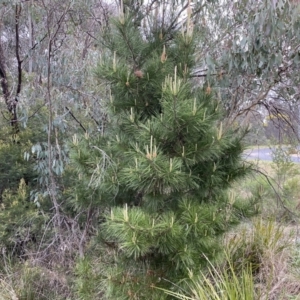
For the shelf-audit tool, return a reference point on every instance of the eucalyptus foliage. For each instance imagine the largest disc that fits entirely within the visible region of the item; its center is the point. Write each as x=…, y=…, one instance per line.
x=253, y=56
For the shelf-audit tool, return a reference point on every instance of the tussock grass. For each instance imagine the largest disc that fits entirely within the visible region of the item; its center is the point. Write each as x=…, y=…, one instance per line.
x=266, y=246
x=219, y=284
x=258, y=265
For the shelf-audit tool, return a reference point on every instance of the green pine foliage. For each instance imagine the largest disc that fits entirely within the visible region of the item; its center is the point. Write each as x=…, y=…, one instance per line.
x=163, y=169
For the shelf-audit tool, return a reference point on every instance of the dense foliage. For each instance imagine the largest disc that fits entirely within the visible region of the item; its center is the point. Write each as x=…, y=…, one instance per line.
x=123, y=130
x=163, y=165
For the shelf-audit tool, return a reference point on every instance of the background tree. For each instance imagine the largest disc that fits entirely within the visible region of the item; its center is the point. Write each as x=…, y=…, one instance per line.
x=51, y=35
x=251, y=55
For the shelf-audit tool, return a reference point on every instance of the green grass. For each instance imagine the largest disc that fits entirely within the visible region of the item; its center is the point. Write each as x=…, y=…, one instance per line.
x=219, y=284
x=258, y=265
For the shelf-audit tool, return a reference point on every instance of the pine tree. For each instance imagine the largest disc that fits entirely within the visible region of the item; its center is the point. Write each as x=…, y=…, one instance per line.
x=164, y=166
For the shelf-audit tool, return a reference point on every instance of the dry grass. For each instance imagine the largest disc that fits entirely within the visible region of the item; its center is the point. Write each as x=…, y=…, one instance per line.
x=272, y=242
x=269, y=248
x=28, y=282
x=7, y=291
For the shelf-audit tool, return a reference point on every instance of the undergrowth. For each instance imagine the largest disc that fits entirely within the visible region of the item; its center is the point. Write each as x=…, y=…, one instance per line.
x=261, y=257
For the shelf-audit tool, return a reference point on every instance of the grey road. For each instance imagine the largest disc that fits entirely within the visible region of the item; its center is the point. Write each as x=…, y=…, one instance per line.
x=266, y=154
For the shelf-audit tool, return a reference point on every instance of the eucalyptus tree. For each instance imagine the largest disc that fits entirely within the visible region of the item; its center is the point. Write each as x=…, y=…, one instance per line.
x=47, y=50
x=251, y=56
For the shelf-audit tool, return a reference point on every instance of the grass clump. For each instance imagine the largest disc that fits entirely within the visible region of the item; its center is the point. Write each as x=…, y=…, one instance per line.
x=257, y=265
x=219, y=284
